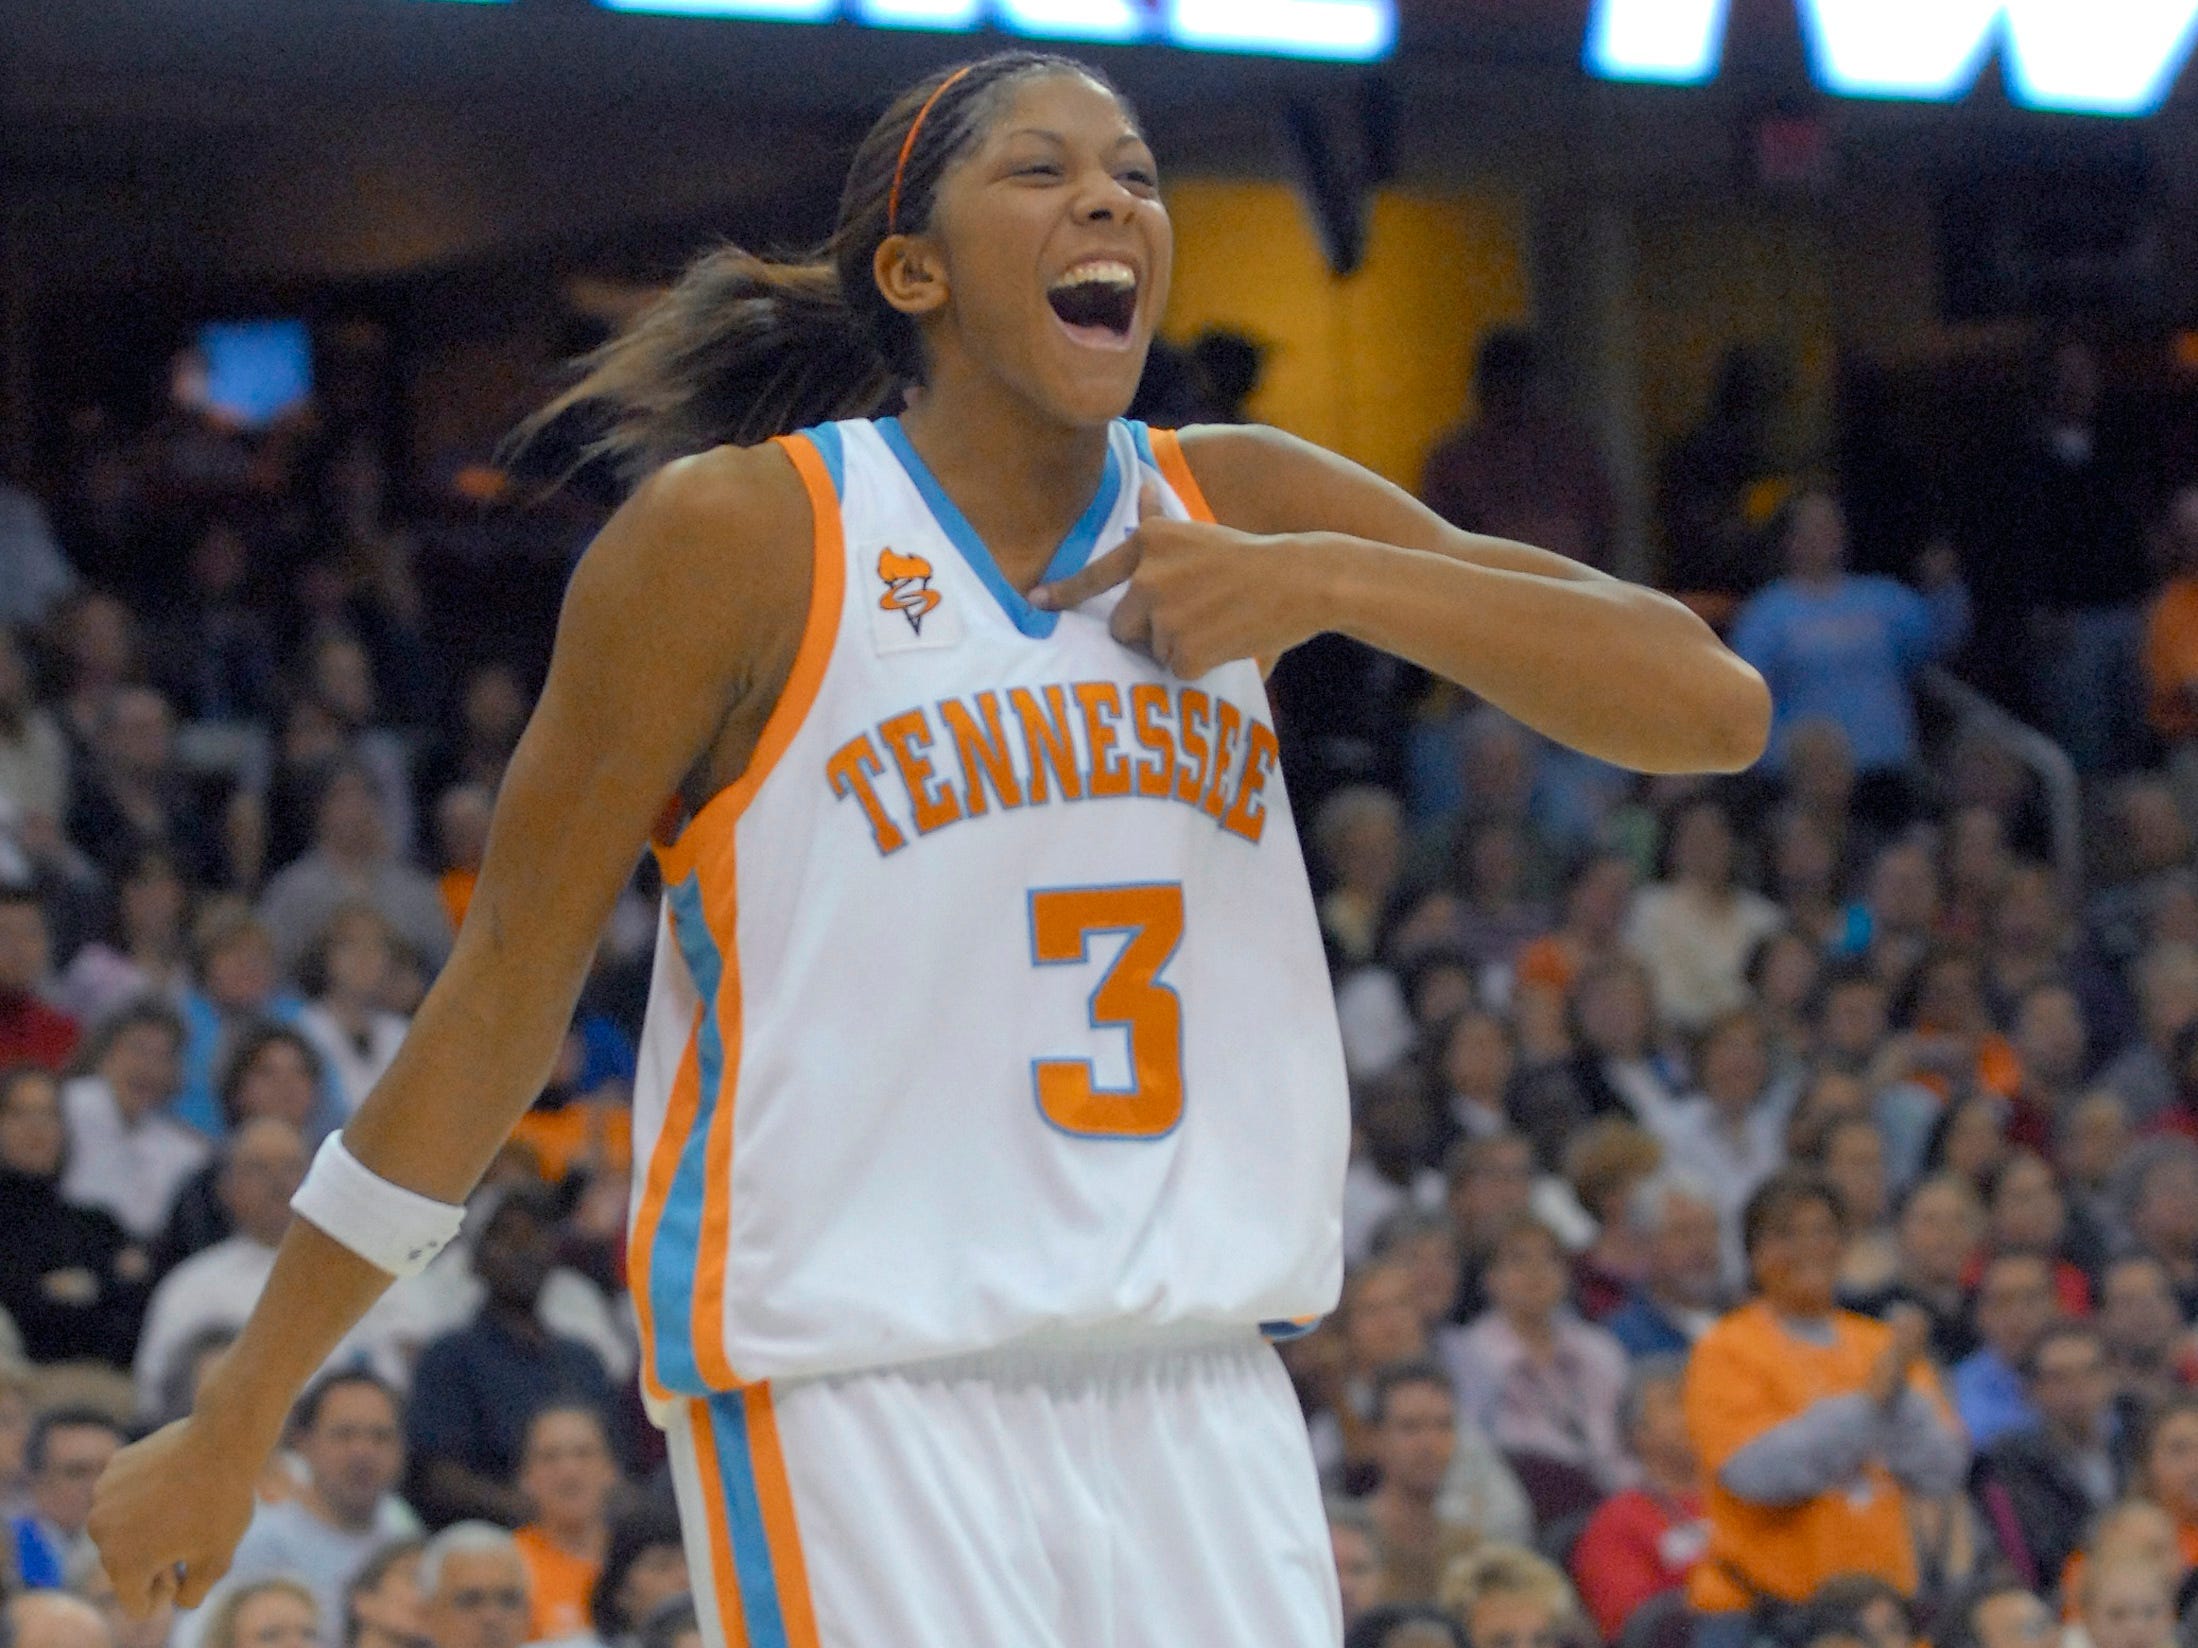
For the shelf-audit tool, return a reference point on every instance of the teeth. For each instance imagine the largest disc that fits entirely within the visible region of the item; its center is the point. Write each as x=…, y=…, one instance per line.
x=1097, y=272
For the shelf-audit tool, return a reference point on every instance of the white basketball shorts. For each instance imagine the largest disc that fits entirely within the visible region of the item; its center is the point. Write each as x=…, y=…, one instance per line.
x=1081, y=1495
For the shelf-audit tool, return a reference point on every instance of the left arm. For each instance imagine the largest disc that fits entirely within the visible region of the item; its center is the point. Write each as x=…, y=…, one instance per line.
x=1310, y=542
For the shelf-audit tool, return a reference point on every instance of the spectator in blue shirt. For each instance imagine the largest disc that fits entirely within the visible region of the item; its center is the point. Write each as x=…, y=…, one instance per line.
x=475, y=1389
x=2015, y=1305
x=1837, y=647
x=1674, y=1218
x=68, y=1448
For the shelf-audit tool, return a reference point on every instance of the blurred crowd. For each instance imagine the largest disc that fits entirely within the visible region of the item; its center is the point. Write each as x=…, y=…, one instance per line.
x=1773, y=1210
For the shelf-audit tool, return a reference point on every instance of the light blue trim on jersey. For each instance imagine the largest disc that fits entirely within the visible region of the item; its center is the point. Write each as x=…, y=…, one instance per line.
x=1091, y=1010
x=679, y=1228
x=1141, y=433
x=1075, y=549
x=760, y=1611
x=832, y=448
x=1281, y=1333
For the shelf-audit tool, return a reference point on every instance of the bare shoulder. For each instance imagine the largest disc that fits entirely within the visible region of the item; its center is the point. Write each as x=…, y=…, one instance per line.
x=711, y=523
x=1249, y=472
x=1264, y=480
x=708, y=560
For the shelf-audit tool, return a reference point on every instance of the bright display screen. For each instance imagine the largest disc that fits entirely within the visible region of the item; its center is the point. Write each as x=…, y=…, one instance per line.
x=1355, y=31
x=2077, y=56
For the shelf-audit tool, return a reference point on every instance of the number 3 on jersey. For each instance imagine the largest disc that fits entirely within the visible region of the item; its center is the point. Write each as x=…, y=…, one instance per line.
x=1062, y=920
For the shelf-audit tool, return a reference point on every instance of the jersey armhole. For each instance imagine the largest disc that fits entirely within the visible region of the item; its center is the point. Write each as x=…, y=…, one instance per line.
x=1167, y=454
x=711, y=828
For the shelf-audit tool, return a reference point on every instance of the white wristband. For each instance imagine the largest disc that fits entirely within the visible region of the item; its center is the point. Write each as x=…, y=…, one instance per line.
x=390, y=1227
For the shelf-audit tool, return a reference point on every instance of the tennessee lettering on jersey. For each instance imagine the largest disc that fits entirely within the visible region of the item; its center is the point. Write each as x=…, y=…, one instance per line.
x=926, y=768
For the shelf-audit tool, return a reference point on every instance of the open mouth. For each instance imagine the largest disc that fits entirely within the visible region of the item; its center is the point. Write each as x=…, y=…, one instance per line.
x=1097, y=302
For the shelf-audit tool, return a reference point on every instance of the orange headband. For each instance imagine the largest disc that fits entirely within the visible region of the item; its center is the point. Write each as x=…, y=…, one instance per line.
x=908, y=147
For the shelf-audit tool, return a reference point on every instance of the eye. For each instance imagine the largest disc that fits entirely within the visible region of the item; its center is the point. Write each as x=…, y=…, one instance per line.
x=1141, y=177
x=1038, y=168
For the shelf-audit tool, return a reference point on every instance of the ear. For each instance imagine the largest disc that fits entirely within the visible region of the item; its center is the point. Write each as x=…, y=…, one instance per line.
x=908, y=272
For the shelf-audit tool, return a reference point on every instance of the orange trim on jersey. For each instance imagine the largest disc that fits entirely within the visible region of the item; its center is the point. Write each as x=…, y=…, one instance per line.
x=724, y=1573
x=712, y=1359
x=776, y=1495
x=827, y=589
x=671, y=1139
x=1167, y=450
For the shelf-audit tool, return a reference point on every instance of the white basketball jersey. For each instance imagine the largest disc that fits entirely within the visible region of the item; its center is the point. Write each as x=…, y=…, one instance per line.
x=990, y=1001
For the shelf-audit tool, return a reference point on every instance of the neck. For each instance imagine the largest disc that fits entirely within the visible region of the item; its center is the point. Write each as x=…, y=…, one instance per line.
x=328, y=1511
x=1537, y=1333
x=1401, y=1507
x=514, y=1317
x=2081, y=1437
x=1021, y=479
x=585, y=1540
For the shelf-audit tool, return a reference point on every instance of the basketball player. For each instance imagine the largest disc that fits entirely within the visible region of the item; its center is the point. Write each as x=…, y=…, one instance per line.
x=991, y=1101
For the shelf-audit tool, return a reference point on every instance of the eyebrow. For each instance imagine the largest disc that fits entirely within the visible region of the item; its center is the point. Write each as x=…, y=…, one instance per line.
x=1052, y=136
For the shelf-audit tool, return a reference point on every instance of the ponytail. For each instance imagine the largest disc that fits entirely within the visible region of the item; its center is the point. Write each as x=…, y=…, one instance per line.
x=744, y=348
x=739, y=350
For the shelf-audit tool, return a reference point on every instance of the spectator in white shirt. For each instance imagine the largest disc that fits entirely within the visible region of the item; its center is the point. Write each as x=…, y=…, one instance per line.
x=127, y=1155
x=1696, y=928
x=1731, y=1135
x=347, y=975
x=217, y=1288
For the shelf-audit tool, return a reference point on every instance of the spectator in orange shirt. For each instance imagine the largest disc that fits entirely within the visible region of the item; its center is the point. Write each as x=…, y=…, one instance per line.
x=461, y=840
x=1643, y=1543
x=1815, y=1425
x=568, y=1475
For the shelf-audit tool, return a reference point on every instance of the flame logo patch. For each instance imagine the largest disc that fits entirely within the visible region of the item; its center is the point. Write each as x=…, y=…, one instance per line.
x=908, y=591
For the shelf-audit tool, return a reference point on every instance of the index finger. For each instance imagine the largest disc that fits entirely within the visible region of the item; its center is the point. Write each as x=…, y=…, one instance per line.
x=1114, y=567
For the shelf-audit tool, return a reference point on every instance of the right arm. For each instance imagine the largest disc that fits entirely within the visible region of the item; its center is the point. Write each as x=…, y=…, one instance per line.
x=677, y=618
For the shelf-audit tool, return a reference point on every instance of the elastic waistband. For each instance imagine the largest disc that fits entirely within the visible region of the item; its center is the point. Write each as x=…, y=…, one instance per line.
x=1052, y=1355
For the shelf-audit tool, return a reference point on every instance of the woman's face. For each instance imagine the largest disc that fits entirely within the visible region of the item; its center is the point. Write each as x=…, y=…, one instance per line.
x=241, y=973
x=1797, y=1259
x=153, y=901
x=278, y=1083
x=1061, y=181
x=1938, y=1233
x=1789, y=974
x=1816, y=542
x=1736, y=1066
x=1477, y=1059
x=1854, y=1160
x=1804, y=862
x=1975, y=1139
x=658, y=1574
x=141, y=1067
x=1528, y=1278
x=359, y=959
x=276, y=1619
x=1599, y=901
x=1701, y=848
x=1432, y=1258
x=1952, y=1000
x=32, y=1132
x=1614, y=1013
x=2028, y=1213
x=2171, y=1466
